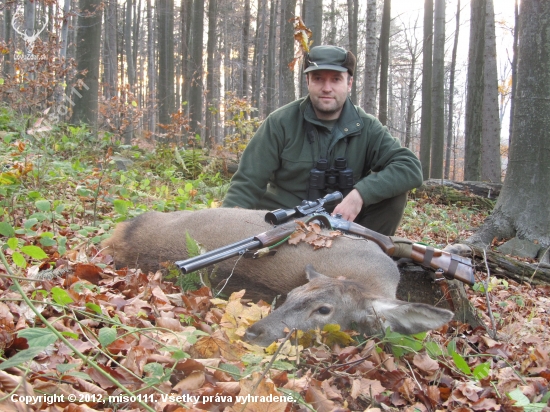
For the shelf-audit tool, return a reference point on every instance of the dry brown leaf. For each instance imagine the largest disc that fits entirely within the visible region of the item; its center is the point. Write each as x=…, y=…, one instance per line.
x=318, y=399
x=257, y=397
x=366, y=387
x=425, y=363
x=296, y=237
x=192, y=382
x=9, y=383
x=170, y=324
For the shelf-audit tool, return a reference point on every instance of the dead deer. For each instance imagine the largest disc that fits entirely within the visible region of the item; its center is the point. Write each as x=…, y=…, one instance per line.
x=348, y=303
x=153, y=238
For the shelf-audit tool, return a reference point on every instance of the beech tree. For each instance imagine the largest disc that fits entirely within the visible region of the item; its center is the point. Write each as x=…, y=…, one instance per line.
x=438, y=96
x=522, y=206
x=384, y=59
x=371, y=50
x=88, y=44
x=426, y=117
x=474, y=92
x=490, y=150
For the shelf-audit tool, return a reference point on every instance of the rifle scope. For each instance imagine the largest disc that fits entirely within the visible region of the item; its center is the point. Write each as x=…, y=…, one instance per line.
x=276, y=217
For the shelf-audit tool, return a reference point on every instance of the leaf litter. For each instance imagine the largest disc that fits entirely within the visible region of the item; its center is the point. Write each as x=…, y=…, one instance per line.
x=179, y=351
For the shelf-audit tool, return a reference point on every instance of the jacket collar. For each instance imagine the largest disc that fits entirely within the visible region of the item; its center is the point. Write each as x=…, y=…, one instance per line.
x=348, y=123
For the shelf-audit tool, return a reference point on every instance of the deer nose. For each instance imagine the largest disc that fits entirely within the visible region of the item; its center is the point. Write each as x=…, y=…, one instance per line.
x=252, y=333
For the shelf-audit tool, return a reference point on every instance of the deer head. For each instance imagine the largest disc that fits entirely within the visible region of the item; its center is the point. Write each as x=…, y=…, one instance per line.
x=18, y=17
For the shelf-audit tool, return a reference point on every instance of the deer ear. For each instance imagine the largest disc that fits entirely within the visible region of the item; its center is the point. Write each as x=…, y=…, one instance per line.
x=410, y=318
x=311, y=273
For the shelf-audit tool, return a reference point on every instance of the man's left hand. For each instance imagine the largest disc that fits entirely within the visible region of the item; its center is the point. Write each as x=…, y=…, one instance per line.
x=350, y=207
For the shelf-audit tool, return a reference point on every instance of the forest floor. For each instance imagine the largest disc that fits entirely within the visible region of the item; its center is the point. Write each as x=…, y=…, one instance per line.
x=78, y=335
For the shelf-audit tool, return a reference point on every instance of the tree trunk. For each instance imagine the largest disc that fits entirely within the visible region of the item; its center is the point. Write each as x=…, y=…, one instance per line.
x=195, y=92
x=88, y=42
x=369, y=88
x=270, y=64
x=438, y=94
x=384, y=62
x=259, y=50
x=151, y=73
x=7, y=64
x=331, y=37
x=474, y=92
x=130, y=68
x=411, y=94
x=211, y=71
x=353, y=10
x=30, y=13
x=522, y=207
x=287, y=93
x=425, y=120
x=65, y=27
x=490, y=153
x=312, y=15
x=514, y=71
x=165, y=30
x=451, y=96
x=186, y=23
x=244, y=49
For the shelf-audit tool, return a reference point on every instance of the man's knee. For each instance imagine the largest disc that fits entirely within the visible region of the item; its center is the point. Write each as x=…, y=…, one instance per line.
x=384, y=217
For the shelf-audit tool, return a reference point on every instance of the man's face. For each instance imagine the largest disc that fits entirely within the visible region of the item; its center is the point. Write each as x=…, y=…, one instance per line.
x=328, y=90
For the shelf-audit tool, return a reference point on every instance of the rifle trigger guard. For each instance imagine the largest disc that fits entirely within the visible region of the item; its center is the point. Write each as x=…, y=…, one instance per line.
x=322, y=219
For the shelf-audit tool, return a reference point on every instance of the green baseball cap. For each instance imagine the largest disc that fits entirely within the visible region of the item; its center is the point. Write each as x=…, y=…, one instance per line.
x=329, y=58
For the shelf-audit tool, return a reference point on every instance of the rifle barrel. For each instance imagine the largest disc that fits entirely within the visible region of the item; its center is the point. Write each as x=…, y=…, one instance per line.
x=216, y=255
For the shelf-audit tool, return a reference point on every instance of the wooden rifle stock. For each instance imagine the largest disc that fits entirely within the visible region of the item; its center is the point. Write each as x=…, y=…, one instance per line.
x=453, y=266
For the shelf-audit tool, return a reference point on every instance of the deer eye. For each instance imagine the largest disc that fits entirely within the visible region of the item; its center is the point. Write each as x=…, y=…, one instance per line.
x=324, y=310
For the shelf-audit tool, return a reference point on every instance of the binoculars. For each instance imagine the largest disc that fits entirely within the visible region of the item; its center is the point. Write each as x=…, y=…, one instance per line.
x=323, y=179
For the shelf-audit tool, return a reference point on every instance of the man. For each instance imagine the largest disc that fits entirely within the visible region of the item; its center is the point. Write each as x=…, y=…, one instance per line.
x=281, y=165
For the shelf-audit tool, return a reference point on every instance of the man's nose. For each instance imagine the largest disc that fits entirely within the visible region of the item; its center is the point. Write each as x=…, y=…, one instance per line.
x=326, y=86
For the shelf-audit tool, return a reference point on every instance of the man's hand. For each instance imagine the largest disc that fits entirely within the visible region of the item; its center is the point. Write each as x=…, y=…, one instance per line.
x=350, y=207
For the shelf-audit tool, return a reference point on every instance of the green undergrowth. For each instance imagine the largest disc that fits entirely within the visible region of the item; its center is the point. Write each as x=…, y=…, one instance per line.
x=64, y=184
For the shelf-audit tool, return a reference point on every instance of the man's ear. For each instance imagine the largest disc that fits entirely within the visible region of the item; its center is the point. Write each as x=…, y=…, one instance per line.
x=350, y=82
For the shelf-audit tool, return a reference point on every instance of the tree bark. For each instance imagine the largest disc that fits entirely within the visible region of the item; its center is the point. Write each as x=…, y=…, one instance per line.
x=258, y=61
x=151, y=73
x=490, y=153
x=210, y=72
x=7, y=64
x=425, y=120
x=244, y=49
x=270, y=64
x=195, y=92
x=165, y=30
x=522, y=207
x=287, y=93
x=438, y=94
x=449, y=145
x=88, y=44
x=384, y=62
x=312, y=15
x=514, y=71
x=353, y=10
x=369, y=89
x=474, y=92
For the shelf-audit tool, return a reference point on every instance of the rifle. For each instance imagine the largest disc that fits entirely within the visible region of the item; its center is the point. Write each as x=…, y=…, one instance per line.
x=452, y=266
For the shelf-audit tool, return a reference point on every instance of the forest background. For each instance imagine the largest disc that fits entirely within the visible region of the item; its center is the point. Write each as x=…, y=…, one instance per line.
x=209, y=72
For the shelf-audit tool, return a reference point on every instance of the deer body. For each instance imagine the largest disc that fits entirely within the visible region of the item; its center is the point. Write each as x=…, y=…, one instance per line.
x=152, y=238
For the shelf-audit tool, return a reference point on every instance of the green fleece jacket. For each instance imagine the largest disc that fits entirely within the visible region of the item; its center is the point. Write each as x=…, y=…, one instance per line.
x=275, y=166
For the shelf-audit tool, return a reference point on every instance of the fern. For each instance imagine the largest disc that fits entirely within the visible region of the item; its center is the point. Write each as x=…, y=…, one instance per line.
x=194, y=280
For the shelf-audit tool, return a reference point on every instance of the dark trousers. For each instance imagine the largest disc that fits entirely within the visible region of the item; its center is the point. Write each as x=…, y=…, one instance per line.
x=383, y=217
